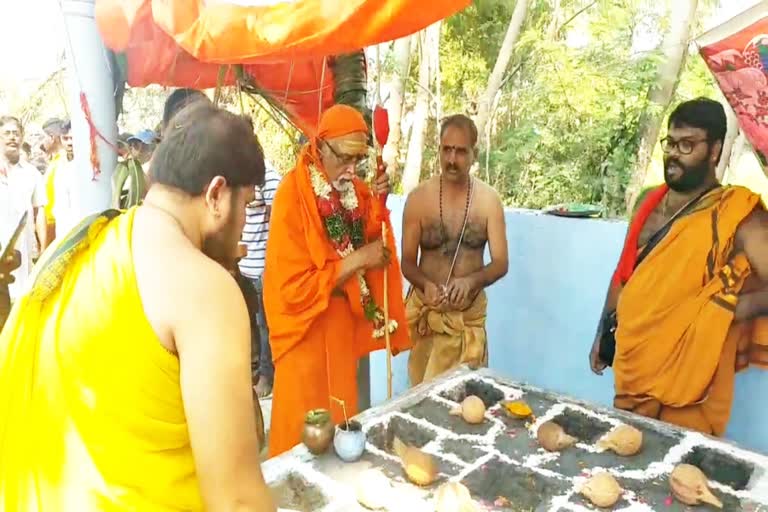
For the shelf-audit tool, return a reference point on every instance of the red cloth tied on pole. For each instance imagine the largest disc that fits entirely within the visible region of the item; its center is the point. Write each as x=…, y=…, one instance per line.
x=381, y=132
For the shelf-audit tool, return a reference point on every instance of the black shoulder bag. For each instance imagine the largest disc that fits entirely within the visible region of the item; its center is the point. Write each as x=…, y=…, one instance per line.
x=609, y=322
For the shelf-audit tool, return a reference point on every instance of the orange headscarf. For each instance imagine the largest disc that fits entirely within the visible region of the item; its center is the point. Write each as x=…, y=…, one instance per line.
x=340, y=120
x=337, y=121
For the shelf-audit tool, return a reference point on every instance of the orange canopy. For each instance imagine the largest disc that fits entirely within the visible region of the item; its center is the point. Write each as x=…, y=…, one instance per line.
x=282, y=44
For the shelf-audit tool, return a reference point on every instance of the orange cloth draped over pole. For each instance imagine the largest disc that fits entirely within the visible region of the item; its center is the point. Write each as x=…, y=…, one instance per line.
x=154, y=58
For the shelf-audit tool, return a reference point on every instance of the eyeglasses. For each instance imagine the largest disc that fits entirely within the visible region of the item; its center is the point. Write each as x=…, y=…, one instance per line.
x=684, y=146
x=355, y=160
x=10, y=133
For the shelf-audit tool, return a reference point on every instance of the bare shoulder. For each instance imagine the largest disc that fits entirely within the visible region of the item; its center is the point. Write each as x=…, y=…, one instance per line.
x=175, y=279
x=190, y=275
x=424, y=188
x=487, y=194
x=754, y=224
x=419, y=196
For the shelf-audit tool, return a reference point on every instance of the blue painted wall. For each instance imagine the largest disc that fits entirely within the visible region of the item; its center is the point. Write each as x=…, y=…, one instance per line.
x=542, y=316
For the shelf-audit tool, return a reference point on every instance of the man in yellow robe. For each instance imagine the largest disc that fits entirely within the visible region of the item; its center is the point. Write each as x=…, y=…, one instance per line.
x=125, y=379
x=690, y=288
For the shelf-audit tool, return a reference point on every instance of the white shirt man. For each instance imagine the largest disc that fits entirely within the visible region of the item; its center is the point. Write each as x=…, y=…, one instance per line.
x=22, y=189
x=256, y=228
x=255, y=236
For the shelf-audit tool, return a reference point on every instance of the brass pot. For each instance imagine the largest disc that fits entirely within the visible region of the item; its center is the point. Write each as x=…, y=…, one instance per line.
x=318, y=431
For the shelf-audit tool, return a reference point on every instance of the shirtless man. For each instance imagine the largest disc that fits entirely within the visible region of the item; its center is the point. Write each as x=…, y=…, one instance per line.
x=449, y=219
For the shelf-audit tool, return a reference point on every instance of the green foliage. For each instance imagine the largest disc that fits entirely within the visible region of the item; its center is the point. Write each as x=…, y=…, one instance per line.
x=566, y=123
x=696, y=80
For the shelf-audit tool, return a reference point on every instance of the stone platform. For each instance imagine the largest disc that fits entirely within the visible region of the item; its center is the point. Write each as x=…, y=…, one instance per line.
x=501, y=462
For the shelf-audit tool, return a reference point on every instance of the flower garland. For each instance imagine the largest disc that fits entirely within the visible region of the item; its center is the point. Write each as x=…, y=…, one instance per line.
x=343, y=220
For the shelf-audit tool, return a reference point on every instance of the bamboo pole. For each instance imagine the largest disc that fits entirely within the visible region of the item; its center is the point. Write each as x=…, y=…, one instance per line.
x=386, y=317
x=343, y=405
x=380, y=162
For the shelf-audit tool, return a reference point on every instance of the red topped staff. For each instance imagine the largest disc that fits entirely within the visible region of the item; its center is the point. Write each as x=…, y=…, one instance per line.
x=381, y=134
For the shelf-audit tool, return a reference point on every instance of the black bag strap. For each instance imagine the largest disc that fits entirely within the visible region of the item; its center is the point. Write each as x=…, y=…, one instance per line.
x=663, y=230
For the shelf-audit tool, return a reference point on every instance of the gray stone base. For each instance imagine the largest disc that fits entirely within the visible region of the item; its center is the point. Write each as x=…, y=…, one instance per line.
x=501, y=462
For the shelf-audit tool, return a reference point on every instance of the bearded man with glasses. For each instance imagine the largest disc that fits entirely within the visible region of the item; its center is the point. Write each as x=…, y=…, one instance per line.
x=686, y=307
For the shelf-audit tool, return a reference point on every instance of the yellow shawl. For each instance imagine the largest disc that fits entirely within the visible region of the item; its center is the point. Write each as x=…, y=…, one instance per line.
x=91, y=407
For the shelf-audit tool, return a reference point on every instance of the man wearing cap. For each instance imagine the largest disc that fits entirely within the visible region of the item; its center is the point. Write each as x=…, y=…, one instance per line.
x=51, y=141
x=142, y=146
x=324, y=278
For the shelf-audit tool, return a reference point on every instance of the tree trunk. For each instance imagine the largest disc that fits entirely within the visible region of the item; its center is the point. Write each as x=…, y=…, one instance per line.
x=395, y=107
x=554, y=22
x=730, y=139
x=435, y=72
x=436, y=78
x=413, y=160
x=675, y=49
x=740, y=145
x=502, y=61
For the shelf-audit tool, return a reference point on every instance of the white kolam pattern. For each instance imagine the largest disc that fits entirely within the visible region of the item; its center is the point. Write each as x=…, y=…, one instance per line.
x=336, y=480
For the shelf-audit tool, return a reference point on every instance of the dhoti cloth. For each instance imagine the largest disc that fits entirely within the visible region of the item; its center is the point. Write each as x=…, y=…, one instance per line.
x=443, y=340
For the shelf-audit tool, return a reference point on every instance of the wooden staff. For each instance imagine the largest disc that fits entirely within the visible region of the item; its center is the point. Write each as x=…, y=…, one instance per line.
x=386, y=316
x=380, y=125
x=343, y=405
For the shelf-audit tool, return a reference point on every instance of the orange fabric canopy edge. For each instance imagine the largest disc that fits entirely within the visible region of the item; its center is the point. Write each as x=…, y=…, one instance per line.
x=226, y=33
x=300, y=86
x=183, y=43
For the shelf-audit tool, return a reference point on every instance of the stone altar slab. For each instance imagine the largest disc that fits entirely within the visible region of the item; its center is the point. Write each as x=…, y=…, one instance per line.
x=501, y=462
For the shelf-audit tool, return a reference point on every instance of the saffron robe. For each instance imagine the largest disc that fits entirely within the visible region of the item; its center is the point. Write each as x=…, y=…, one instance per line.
x=677, y=345
x=318, y=333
